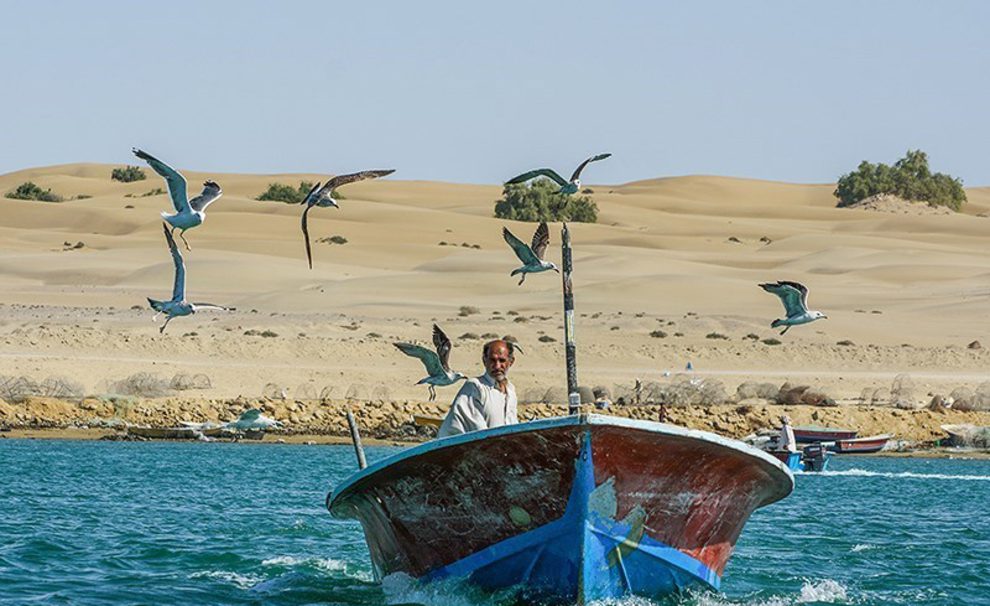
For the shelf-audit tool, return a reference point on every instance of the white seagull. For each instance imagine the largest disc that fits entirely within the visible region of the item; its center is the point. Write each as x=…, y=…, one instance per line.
x=530, y=255
x=436, y=362
x=794, y=296
x=178, y=306
x=566, y=187
x=252, y=419
x=323, y=196
x=188, y=213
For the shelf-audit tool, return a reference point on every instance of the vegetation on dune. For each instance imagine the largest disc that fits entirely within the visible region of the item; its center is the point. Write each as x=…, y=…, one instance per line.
x=909, y=178
x=30, y=191
x=539, y=201
x=128, y=174
x=279, y=192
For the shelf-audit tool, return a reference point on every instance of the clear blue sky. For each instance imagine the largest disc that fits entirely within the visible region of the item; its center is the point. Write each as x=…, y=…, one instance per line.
x=478, y=91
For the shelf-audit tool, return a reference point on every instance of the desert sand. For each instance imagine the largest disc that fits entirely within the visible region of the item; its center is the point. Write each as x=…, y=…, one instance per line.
x=907, y=293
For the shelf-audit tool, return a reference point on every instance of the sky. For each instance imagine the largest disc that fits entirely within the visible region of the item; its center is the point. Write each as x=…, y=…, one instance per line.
x=476, y=92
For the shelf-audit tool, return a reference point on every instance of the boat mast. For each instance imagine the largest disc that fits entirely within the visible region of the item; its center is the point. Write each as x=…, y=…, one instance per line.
x=573, y=395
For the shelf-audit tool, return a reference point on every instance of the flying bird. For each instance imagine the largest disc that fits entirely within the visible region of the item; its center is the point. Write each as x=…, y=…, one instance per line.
x=530, y=255
x=794, y=296
x=188, y=213
x=436, y=362
x=323, y=196
x=566, y=187
x=178, y=306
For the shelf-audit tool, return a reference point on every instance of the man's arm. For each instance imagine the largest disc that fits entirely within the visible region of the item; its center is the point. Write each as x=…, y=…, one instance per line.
x=462, y=416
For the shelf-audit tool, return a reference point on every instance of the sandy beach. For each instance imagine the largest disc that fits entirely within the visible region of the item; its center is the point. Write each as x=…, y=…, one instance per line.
x=667, y=276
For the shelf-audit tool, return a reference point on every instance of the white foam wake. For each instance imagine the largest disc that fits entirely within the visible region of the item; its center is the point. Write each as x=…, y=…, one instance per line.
x=862, y=473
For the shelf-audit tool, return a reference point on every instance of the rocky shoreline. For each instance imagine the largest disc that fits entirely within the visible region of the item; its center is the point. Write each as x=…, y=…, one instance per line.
x=387, y=422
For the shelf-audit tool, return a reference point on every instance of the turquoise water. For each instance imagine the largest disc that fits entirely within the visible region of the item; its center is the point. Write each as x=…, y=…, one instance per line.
x=152, y=523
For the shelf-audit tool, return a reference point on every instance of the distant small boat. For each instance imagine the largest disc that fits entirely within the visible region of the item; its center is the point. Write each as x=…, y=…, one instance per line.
x=813, y=433
x=863, y=445
x=813, y=457
x=165, y=433
x=565, y=510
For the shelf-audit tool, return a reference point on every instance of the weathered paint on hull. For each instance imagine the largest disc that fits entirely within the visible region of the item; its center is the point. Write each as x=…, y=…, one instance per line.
x=810, y=435
x=570, y=509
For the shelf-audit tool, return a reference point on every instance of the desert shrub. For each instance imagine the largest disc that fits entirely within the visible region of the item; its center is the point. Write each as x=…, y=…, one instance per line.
x=771, y=341
x=128, y=174
x=141, y=385
x=902, y=392
x=467, y=310
x=30, y=191
x=716, y=335
x=909, y=178
x=182, y=382
x=538, y=201
x=336, y=240
x=546, y=339
x=154, y=192
x=278, y=192
x=658, y=334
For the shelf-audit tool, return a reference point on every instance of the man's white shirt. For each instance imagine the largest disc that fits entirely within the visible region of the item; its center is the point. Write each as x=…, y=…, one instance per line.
x=480, y=405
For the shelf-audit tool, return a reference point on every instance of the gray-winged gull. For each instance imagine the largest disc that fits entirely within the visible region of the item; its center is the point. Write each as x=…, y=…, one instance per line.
x=188, y=213
x=178, y=306
x=794, y=296
x=530, y=255
x=566, y=187
x=436, y=362
x=323, y=197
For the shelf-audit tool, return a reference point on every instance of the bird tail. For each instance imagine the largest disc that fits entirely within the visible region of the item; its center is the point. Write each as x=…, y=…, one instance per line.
x=776, y=323
x=156, y=304
x=165, y=214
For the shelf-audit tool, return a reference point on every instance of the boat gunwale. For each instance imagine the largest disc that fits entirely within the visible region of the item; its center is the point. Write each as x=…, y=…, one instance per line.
x=555, y=422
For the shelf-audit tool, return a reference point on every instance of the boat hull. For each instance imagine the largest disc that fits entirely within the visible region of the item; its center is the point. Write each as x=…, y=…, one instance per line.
x=571, y=509
x=808, y=435
x=865, y=445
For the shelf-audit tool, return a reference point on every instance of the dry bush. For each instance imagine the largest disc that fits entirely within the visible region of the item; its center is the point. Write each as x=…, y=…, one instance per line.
x=274, y=391
x=356, y=392
x=681, y=391
x=182, y=382
x=141, y=385
x=305, y=392
x=751, y=389
x=902, y=393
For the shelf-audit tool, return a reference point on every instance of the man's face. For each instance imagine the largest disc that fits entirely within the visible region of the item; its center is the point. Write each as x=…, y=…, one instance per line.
x=498, y=361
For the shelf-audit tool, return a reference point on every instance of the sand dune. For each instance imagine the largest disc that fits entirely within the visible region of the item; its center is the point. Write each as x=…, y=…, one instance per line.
x=659, y=258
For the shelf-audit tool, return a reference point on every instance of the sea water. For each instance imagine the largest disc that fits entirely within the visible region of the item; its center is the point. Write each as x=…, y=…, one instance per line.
x=206, y=523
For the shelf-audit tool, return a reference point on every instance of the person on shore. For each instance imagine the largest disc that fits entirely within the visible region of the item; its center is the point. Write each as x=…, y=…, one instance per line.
x=787, y=441
x=487, y=401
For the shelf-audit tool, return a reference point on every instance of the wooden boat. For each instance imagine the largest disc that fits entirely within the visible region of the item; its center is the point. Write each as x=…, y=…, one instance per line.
x=814, y=433
x=164, y=433
x=560, y=510
x=863, y=445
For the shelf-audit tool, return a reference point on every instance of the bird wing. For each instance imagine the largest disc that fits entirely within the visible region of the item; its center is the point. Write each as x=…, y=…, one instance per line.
x=211, y=191
x=522, y=250
x=442, y=343
x=305, y=230
x=179, y=287
x=801, y=288
x=175, y=182
x=541, y=239
x=540, y=172
x=309, y=196
x=791, y=296
x=341, y=180
x=577, y=171
x=428, y=357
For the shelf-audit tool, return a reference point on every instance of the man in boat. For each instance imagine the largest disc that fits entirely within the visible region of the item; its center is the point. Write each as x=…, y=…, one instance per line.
x=787, y=441
x=487, y=401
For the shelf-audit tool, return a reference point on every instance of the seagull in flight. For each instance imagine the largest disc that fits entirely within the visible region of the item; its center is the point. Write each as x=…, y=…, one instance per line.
x=188, y=213
x=323, y=196
x=436, y=362
x=794, y=296
x=566, y=187
x=530, y=255
x=178, y=306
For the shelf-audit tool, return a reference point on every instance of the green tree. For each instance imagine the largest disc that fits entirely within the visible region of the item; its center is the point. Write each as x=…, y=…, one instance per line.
x=539, y=201
x=30, y=191
x=909, y=178
x=288, y=194
x=128, y=174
